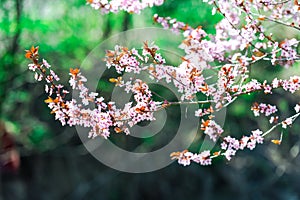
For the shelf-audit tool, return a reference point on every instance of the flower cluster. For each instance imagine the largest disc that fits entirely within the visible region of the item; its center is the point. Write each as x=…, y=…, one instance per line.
x=145, y=106
x=212, y=129
x=252, y=37
x=106, y=115
x=291, y=85
x=229, y=147
x=130, y=6
x=173, y=24
x=185, y=157
x=263, y=109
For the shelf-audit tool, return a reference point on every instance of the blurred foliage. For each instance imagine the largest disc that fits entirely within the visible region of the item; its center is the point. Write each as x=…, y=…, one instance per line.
x=66, y=32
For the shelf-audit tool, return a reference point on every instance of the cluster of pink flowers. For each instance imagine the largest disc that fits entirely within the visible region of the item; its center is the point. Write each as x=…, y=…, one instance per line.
x=173, y=24
x=229, y=147
x=267, y=110
x=240, y=41
x=212, y=129
x=229, y=38
x=130, y=6
x=185, y=157
x=145, y=106
x=263, y=108
x=72, y=112
x=291, y=85
x=105, y=115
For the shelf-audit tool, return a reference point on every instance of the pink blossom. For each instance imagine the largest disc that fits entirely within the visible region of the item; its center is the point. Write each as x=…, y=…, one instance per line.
x=287, y=122
x=297, y=108
x=265, y=109
x=203, y=158
x=212, y=129
x=185, y=158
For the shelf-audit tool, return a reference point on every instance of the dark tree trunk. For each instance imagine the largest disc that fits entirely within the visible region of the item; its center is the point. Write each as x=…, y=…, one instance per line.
x=126, y=22
x=10, y=64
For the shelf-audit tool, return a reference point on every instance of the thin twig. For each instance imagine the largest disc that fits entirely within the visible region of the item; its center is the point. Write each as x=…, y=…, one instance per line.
x=294, y=117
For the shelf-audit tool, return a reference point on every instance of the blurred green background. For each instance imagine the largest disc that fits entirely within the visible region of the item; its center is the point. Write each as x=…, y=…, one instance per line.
x=53, y=162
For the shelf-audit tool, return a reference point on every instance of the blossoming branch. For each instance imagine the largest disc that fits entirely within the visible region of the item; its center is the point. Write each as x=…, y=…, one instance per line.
x=242, y=39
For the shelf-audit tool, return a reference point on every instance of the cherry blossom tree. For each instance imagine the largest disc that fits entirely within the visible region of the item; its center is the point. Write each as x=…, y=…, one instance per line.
x=242, y=39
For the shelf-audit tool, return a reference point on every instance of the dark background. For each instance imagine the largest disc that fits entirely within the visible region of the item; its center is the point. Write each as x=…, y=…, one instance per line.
x=53, y=162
